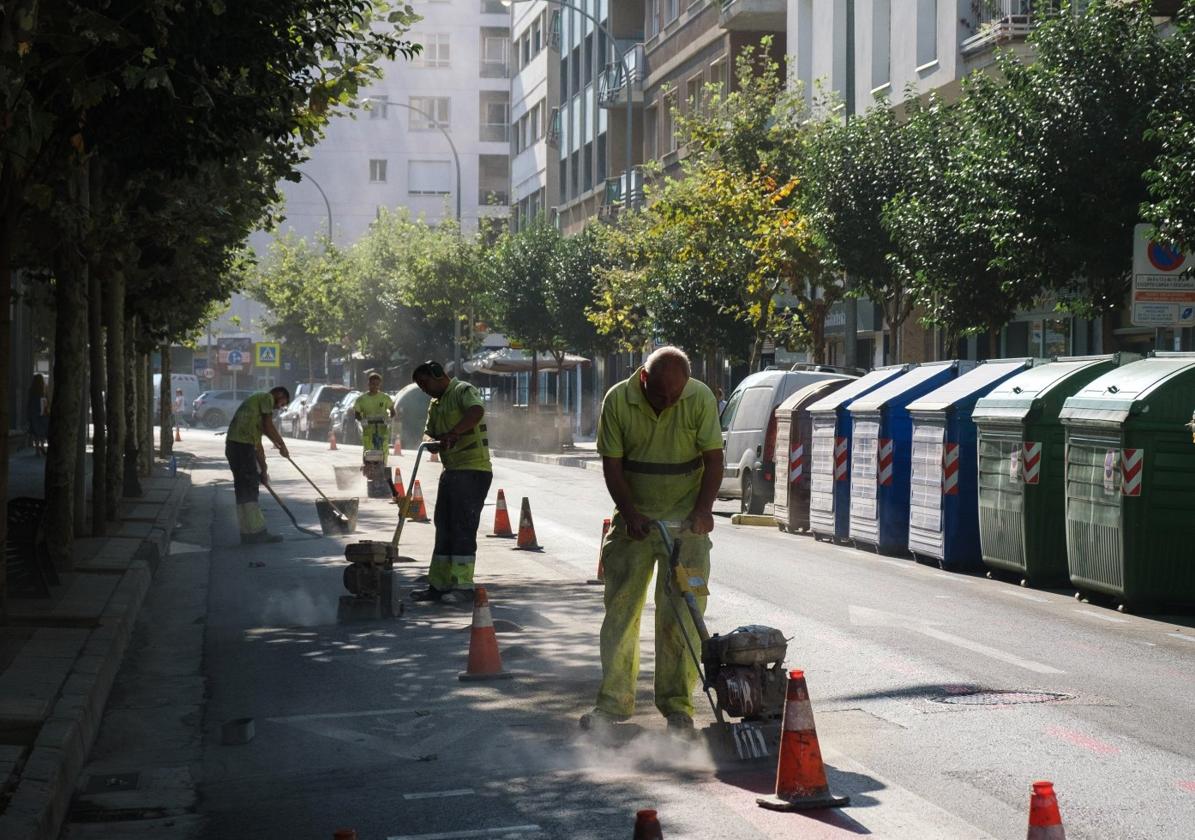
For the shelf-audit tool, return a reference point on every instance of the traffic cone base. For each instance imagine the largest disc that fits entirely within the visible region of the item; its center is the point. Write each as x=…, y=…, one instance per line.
x=485, y=662
x=398, y=446
x=502, y=528
x=600, y=580
x=527, y=540
x=800, y=774
x=178, y=438
x=647, y=825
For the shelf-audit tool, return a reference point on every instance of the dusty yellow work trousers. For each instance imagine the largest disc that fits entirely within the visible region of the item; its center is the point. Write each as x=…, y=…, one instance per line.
x=628, y=566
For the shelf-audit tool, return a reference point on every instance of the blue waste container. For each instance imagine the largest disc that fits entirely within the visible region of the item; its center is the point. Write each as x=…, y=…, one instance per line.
x=829, y=454
x=944, y=479
x=881, y=446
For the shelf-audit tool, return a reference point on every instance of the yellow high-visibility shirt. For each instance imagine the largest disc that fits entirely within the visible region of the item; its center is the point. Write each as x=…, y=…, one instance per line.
x=661, y=453
x=472, y=451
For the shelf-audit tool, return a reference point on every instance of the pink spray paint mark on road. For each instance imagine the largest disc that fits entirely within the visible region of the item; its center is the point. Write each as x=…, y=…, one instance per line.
x=1081, y=740
x=1189, y=787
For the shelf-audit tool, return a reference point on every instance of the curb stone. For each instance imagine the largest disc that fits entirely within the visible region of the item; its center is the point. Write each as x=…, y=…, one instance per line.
x=41, y=800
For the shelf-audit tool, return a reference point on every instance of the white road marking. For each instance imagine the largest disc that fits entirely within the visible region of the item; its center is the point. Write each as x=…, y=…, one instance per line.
x=1101, y=617
x=1024, y=596
x=1182, y=636
x=478, y=832
x=976, y=647
x=439, y=794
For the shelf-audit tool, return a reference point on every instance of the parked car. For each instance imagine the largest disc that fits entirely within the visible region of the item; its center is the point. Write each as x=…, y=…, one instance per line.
x=313, y=416
x=288, y=419
x=344, y=420
x=749, y=432
x=187, y=381
x=214, y=409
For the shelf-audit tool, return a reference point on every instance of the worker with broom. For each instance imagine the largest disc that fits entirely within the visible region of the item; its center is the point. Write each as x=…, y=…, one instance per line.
x=455, y=421
x=247, y=458
x=661, y=448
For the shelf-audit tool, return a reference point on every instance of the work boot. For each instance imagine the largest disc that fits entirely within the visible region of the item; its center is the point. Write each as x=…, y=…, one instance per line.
x=431, y=594
x=458, y=597
x=601, y=723
x=260, y=538
x=681, y=725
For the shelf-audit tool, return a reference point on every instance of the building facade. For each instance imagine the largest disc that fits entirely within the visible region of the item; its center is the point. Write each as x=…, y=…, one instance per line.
x=534, y=96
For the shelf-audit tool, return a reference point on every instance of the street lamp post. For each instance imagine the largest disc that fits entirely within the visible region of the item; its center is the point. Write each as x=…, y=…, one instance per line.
x=624, y=71
x=456, y=159
x=327, y=204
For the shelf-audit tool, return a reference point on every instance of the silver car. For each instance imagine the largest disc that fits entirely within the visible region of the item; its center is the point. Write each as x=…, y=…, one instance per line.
x=214, y=409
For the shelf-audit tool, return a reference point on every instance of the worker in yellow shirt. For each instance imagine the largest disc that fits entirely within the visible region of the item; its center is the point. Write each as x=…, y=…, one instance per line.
x=661, y=448
x=247, y=459
x=374, y=410
x=456, y=420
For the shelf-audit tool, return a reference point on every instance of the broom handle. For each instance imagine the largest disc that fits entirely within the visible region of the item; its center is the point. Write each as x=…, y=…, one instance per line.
x=331, y=504
x=404, y=506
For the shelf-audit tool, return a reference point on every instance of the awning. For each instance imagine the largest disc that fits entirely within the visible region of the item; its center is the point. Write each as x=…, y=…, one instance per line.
x=508, y=361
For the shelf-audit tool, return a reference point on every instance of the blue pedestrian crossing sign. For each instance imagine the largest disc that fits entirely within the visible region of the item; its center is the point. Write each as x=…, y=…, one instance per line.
x=267, y=354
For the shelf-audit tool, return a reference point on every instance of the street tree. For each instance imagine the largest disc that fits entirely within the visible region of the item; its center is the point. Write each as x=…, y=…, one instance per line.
x=1171, y=178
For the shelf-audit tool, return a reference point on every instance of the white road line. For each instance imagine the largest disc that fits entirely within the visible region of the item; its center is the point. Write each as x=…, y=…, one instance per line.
x=976, y=647
x=439, y=794
x=1024, y=596
x=1101, y=617
x=479, y=832
x=1182, y=636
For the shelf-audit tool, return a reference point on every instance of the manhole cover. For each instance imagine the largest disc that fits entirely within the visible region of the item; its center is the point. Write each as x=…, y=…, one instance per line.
x=1001, y=698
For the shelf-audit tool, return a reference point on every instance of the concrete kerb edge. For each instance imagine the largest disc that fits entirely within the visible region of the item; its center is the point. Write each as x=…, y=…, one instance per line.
x=551, y=459
x=42, y=798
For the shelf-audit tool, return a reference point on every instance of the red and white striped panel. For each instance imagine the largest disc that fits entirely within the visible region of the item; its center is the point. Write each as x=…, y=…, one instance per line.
x=796, y=463
x=841, y=457
x=950, y=470
x=1132, y=466
x=884, y=462
x=1031, y=461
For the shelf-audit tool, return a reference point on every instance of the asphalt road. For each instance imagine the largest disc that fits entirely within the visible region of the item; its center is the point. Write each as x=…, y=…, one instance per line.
x=367, y=726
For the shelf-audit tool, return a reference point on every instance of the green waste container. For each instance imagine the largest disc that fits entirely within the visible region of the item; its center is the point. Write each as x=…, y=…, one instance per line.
x=1021, y=467
x=1130, y=497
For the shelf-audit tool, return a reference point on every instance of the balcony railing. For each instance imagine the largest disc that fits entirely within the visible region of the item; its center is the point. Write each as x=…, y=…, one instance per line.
x=494, y=133
x=494, y=70
x=753, y=15
x=1001, y=21
x=614, y=198
x=552, y=135
x=615, y=80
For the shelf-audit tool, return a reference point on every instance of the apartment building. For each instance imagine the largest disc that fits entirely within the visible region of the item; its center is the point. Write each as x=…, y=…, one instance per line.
x=400, y=152
x=534, y=95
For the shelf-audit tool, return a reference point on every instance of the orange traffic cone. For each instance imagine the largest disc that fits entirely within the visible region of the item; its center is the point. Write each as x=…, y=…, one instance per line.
x=331, y=438
x=397, y=446
x=501, y=519
x=418, y=508
x=399, y=492
x=178, y=438
x=800, y=775
x=647, y=826
x=1045, y=823
x=600, y=580
x=485, y=663
x=527, y=540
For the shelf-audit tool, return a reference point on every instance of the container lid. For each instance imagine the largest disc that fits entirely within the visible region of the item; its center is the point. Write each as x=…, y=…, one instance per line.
x=919, y=375
x=813, y=392
x=1111, y=397
x=1014, y=398
x=970, y=385
x=860, y=386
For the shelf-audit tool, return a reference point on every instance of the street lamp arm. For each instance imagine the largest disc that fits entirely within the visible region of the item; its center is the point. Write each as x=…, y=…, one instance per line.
x=456, y=158
x=327, y=204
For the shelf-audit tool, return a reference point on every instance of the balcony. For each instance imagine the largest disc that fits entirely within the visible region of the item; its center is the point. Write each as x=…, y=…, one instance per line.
x=555, y=31
x=494, y=133
x=615, y=194
x=1000, y=22
x=552, y=135
x=615, y=80
x=754, y=15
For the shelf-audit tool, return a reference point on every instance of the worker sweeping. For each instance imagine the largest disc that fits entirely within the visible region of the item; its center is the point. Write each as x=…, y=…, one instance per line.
x=661, y=448
x=247, y=458
x=455, y=419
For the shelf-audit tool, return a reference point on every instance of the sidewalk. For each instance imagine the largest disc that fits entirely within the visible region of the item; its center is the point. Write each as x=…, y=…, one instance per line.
x=584, y=454
x=60, y=655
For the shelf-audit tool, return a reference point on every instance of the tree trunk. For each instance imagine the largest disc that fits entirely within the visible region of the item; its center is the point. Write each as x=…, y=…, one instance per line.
x=165, y=401
x=99, y=435
x=132, y=414
x=7, y=237
x=70, y=305
x=116, y=378
x=817, y=330
x=145, y=432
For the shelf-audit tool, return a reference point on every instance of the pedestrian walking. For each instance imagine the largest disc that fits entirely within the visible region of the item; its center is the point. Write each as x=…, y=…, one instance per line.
x=179, y=408
x=721, y=400
x=37, y=406
x=374, y=410
x=455, y=419
x=661, y=449
x=247, y=458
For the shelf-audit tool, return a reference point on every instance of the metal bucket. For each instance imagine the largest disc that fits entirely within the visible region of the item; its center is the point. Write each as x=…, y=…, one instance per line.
x=347, y=478
x=330, y=523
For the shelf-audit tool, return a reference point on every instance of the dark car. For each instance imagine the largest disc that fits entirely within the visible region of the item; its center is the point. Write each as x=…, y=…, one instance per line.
x=344, y=420
x=313, y=416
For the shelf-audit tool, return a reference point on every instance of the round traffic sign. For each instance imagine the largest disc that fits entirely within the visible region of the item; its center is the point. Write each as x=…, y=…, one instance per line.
x=208, y=373
x=1164, y=257
x=234, y=357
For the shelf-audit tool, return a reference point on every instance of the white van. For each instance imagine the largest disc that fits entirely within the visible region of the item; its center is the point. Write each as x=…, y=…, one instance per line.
x=749, y=431
x=189, y=382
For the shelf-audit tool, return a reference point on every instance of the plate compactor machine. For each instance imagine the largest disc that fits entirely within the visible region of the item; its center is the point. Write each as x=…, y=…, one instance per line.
x=742, y=672
x=369, y=575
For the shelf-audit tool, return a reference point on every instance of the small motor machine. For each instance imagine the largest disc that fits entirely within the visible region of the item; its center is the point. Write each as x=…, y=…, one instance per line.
x=369, y=576
x=373, y=438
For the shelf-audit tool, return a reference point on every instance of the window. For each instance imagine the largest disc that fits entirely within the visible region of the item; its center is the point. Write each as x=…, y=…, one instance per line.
x=587, y=61
x=377, y=107
x=493, y=7
x=537, y=121
x=493, y=177
x=718, y=75
x=576, y=71
x=651, y=134
x=927, y=31
x=495, y=47
x=537, y=36
x=694, y=95
x=377, y=171
x=495, y=116
x=435, y=53
x=429, y=110
x=575, y=167
x=564, y=76
x=429, y=177
x=881, y=40
x=653, y=18
x=525, y=42
x=673, y=9
x=587, y=167
x=670, y=122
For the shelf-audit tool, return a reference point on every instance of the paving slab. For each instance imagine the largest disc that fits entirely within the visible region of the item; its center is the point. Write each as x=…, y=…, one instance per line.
x=83, y=596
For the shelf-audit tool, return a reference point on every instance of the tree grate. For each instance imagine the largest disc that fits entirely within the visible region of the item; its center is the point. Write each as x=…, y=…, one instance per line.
x=1001, y=698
